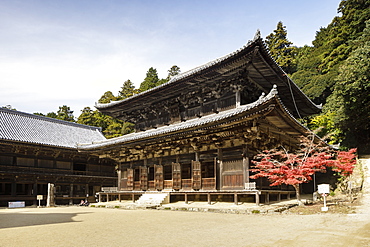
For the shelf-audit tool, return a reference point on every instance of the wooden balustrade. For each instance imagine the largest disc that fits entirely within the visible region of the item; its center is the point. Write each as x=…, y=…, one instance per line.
x=208, y=183
x=168, y=184
x=151, y=185
x=137, y=185
x=186, y=184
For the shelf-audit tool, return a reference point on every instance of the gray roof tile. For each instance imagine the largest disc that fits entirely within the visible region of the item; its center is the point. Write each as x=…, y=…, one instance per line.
x=30, y=128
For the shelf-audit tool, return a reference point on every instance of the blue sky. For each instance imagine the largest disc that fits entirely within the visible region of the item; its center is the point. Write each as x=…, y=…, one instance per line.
x=55, y=53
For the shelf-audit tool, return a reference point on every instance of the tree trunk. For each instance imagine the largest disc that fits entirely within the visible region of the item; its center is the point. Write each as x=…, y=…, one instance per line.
x=296, y=187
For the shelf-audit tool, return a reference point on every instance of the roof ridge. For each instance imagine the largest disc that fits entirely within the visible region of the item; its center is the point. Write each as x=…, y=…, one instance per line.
x=48, y=119
x=187, y=73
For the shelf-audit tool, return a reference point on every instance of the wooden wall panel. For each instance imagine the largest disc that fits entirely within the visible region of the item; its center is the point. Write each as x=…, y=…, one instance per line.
x=176, y=176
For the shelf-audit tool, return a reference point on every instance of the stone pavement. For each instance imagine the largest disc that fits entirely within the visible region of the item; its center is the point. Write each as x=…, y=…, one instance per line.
x=216, y=207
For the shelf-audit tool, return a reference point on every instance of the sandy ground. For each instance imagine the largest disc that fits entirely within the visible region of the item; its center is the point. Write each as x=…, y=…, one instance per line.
x=86, y=226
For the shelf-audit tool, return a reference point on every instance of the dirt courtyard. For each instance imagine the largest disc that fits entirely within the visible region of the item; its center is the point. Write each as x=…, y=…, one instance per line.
x=85, y=226
x=88, y=226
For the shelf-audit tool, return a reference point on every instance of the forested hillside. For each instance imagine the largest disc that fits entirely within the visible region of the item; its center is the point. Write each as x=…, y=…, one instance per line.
x=334, y=71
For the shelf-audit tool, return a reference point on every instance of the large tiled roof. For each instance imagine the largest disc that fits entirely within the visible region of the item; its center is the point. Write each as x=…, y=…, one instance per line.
x=266, y=73
x=29, y=128
x=187, y=125
x=180, y=76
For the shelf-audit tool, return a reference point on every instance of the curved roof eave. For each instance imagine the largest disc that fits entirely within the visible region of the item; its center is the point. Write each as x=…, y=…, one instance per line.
x=305, y=108
x=183, y=75
x=187, y=125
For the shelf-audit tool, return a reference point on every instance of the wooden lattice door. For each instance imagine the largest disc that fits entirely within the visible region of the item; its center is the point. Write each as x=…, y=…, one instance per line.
x=143, y=178
x=130, y=179
x=232, y=175
x=158, y=177
x=176, y=176
x=197, y=175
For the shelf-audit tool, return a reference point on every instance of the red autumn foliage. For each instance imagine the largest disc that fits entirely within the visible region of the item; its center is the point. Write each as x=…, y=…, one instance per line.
x=345, y=162
x=282, y=167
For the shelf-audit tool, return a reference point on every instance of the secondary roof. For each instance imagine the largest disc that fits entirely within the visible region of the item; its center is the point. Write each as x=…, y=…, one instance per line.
x=23, y=127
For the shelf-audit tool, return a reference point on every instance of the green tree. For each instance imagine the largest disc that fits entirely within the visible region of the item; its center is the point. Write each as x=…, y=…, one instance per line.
x=39, y=114
x=281, y=49
x=107, y=97
x=318, y=70
x=52, y=115
x=173, y=71
x=150, y=81
x=351, y=98
x=87, y=117
x=65, y=113
x=324, y=126
x=127, y=128
x=111, y=127
x=127, y=90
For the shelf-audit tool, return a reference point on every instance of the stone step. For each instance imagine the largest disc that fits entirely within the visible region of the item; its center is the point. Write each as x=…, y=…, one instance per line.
x=151, y=199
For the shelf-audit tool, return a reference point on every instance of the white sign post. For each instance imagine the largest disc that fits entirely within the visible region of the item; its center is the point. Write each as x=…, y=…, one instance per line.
x=324, y=189
x=39, y=197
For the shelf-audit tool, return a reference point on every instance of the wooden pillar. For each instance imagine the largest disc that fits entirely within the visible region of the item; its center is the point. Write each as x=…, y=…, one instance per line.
x=35, y=193
x=219, y=170
x=209, y=198
x=257, y=199
x=107, y=197
x=279, y=197
x=245, y=165
x=119, y=197
x=119, y=173
x=71, y=194
x=99, y=197
x=267, y=198
x=236, y=199
x=288, y=196
x=133, y=197
x=197, y=156
x=186, y=198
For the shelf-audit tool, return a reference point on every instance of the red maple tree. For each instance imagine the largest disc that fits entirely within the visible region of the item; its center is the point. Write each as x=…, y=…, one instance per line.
x=294, y=168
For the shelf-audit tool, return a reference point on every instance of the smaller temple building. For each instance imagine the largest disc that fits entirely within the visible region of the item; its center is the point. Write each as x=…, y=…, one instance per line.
x=36, y=150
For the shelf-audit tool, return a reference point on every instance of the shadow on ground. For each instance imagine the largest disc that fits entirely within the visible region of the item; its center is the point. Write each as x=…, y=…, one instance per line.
x=21, y=219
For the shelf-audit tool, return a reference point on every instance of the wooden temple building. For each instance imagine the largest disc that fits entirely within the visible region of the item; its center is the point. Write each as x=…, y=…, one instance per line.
x=36, y=151
x=196, y=134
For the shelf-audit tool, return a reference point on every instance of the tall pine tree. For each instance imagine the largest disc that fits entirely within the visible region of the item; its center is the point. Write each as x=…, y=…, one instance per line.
x=150, y=81
x=281, y=49
x=127, y=90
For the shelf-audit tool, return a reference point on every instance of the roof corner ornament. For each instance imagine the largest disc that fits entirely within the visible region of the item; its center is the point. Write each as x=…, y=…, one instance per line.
x=261, y=98
x=274, y=90
x=257, y=35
